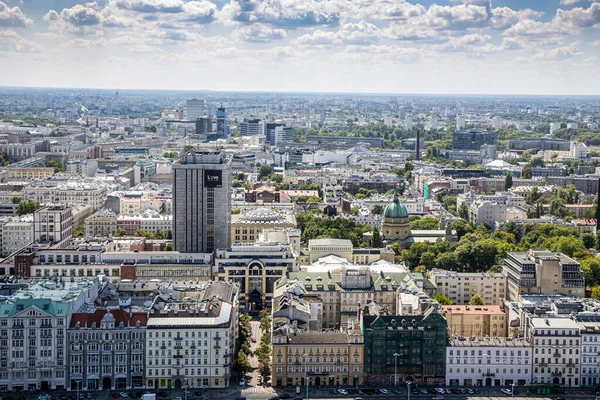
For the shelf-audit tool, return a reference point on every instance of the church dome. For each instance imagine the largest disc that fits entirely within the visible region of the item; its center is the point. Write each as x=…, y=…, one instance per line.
x=263, y=215
x=395, y=210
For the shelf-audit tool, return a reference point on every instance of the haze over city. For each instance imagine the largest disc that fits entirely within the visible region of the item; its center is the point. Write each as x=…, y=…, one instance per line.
x=380, y=46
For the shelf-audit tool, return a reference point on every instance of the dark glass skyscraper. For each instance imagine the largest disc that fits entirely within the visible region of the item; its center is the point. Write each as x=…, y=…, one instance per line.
x=221, y=123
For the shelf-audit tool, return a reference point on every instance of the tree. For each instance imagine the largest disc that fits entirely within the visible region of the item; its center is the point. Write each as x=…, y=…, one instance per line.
x=508, y=181
x=596, y=292
x=16, y=199
x=377, y=209
x=264, y=171
x=27, y=207
x=442, y=300
x=313, y=199
x=462, y=228
x=354, y=211
x=120, y=232
x=533, y=196
x=169, y=247
x=58, y=167
x=79, y=232
x=591, y=271
x=236, y=211
x=427, y=223
x=376, y=241
x=588, y=240
x=463, y=211
x=476, y=300
x=242, y=363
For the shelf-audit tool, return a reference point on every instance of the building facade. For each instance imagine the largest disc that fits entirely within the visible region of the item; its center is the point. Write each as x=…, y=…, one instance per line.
x=473, y=139
x=52, y=224
x=255, y=268
x=542, y=272
x=476, y=321
x=488, y=362
x=191, y=342
x=107, y=350
x=101, y=223
x=461, y=286
x=419, y=342
x=589, y=326
x=201, y=202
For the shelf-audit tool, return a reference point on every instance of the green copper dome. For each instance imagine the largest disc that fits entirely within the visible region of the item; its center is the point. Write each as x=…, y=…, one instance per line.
x=395, y=210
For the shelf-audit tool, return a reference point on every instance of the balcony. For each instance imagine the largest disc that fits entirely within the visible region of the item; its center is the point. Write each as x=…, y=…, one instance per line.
x=217, y=346
x=193, y=346
x=571, y=365
x=163, y=347
x=543, y=364
x=177, y=355
x=556, y=374
x=556, y=355
x=178, y=346
x=489, y=374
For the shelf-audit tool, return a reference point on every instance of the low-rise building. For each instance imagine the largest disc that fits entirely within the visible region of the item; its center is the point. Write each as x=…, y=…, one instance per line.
x=488, y=362
x=476, y=321
x=247, y=227
x=101, y=223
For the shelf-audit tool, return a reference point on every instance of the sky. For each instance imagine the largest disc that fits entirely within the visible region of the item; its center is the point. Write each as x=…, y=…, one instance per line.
x=371, y=46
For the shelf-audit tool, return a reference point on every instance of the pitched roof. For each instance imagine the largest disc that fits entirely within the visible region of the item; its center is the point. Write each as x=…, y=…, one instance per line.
x=87, y=319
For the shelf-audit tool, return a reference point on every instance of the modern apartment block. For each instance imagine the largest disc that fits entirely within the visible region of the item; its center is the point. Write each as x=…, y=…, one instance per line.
x=192, y=341
x=107, y=350
x=201, y=202
x=461, y=286
x=542, y=272
x=473, y=139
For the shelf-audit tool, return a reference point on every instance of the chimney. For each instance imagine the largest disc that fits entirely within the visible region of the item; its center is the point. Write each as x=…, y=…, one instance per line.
x=418, y=146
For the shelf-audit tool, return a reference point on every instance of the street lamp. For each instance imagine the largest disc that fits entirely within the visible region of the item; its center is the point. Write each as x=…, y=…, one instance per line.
x=305, y=357
x=77, y=386
x=396, y=370
x=408, y=383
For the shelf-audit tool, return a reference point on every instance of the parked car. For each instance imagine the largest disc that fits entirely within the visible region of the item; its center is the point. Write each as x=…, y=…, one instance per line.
x=253, y=340
x=423, y=391
x=507, y=392
x=456, y=391
x=440, y=390
x=114, y=395
x=163, y=394
x=470, y=391
x=89, y=395
x=384, y=391
x=560, y=398
x=343, y=392
x=448, y=391
x=124, y=395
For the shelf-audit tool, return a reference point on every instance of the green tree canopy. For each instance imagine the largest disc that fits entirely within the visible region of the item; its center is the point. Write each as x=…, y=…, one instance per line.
x=476, y=300
x=442, y=300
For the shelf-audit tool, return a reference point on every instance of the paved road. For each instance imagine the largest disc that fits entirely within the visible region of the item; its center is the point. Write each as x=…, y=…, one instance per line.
x=252, y=390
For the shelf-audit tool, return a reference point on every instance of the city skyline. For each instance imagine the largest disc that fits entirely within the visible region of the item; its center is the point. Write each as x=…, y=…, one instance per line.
x=387, y=47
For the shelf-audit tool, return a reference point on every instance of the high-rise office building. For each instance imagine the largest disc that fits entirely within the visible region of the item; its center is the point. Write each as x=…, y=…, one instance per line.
x=252, y=127
x=195, y=109
x=201, y=202
x=408, y=122
x=271, y=132
x=221, y=123
x=204, y=125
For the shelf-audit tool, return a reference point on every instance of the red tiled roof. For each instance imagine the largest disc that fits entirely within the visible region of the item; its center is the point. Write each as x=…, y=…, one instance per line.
x=87, y=319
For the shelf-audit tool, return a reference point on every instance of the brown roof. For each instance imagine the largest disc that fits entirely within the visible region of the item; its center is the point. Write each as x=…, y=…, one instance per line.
x=87, y=319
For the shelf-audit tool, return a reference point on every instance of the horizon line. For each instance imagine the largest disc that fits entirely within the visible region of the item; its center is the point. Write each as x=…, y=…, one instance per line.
x=306, y=92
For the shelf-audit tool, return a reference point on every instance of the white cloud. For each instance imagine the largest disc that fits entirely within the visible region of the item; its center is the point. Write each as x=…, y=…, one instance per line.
x=288, y=14
x=261, y=33
x=579, y=17
x=78, y=19
x=13, y=17
x=569, y=2
x=12, y=41
x=463, y=43
x=559, y=53
x=595, y=43
x=361, y=33
x=529, y=27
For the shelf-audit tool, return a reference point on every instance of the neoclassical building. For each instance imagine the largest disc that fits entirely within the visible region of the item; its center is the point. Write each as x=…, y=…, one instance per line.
x=246, y=228
x=395, y=227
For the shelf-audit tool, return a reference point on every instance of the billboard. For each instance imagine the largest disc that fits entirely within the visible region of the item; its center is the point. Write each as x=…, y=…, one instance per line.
x=213, y=178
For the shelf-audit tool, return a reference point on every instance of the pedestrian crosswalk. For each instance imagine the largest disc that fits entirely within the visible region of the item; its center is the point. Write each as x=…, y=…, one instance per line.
x=258, y=389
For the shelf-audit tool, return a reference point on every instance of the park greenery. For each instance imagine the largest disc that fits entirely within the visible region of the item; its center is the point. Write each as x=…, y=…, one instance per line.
x=26, y=207
x=315, y=225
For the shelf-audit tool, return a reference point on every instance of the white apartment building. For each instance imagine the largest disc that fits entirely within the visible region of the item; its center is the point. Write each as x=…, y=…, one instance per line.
x=33, y=329
x=191, y=342
x=487, y=212
x=589, y=326
x=16, y=234
x=461, y=286
x=93, y=194
x=488, y=362
x=52, y=224
x=556, y=351
x=103, y=223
